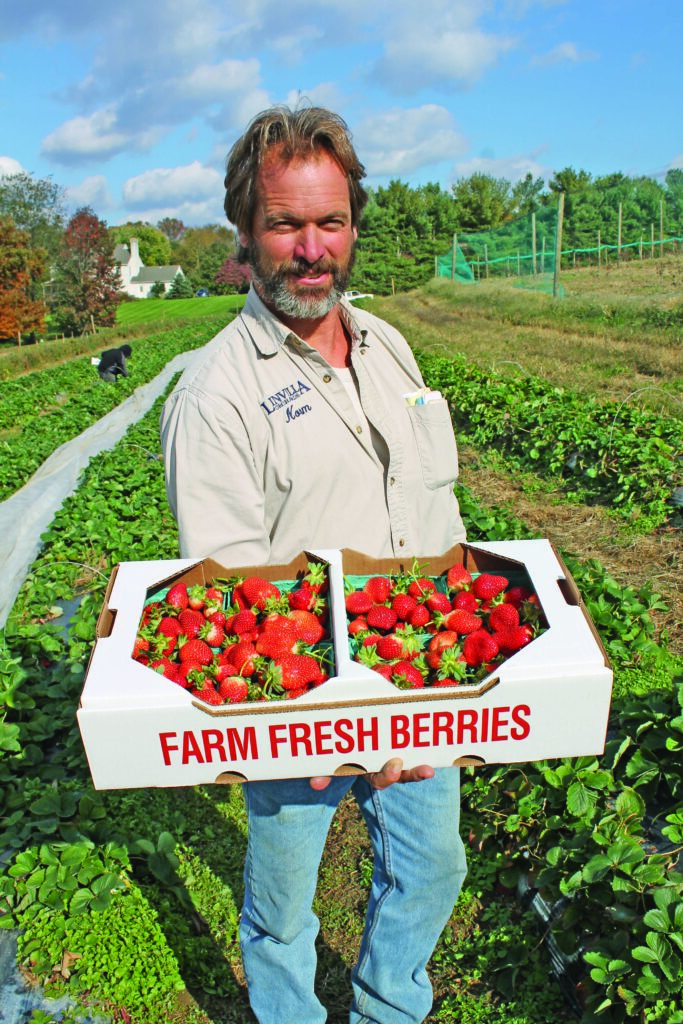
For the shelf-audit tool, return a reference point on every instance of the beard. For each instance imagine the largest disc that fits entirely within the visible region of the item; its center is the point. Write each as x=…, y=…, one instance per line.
x=276, y=288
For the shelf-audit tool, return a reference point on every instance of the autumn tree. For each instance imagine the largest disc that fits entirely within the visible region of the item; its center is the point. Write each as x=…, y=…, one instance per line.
x=20, y=265
x=232, y=278
x=36, y=206
x=87, y=283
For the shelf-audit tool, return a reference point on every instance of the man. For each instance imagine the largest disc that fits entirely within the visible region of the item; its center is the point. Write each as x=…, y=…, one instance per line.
x=290, y=431
x=113, y=363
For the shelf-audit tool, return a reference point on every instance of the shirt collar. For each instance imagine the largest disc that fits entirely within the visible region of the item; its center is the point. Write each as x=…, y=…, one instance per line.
x=269, y=334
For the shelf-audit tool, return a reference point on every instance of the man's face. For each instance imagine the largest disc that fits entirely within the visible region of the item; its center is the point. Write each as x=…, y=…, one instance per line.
x=301, y=244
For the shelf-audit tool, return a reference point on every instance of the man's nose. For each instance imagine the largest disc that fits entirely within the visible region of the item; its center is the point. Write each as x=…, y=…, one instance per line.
x=309, y=244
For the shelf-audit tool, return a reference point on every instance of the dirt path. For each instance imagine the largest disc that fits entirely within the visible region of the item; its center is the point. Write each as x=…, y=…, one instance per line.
x=589, y=533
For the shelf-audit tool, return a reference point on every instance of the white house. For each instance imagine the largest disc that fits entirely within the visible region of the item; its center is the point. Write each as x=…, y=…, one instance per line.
x=136, y=278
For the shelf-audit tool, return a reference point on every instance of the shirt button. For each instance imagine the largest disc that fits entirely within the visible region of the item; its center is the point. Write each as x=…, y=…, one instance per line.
x=402, y=542
x=359, y=429
x=327, y=378
x=392, y=480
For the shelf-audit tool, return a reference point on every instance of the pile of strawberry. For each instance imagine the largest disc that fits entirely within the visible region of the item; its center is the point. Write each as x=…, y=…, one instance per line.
x=240, y=639
x=418, y=630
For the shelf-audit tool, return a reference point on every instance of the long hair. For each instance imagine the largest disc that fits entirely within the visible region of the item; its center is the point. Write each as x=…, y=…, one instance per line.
x=297, y=134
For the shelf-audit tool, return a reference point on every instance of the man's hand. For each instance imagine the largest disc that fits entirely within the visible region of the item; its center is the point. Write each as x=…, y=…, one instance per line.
x=391, y=773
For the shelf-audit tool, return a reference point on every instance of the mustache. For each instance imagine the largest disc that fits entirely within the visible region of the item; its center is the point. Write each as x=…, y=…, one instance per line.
x=302, y=268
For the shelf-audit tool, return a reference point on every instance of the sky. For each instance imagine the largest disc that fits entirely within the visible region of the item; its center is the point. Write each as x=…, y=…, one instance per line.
x=131, y=106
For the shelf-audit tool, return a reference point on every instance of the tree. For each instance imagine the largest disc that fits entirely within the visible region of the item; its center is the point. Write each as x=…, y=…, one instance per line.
x=35, y=205
x=19, y=266
x=527, y=193
x=86, y=289
x=173, y=228
x=482, y=202
x=188, y=251
x=154, y=246
x=157, y=291
x=180, y=288
x=232, y=278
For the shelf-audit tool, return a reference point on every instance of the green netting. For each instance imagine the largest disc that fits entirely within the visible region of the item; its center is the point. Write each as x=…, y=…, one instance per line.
x=522, y=248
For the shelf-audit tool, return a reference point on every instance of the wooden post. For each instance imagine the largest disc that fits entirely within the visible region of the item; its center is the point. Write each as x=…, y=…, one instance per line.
x=393, y=286
x=661, y=226
x=599, y=252
x=454, y=259
x=652, y=241
x=558, y=246
x=619, y=236
x=543, y=255
x=19, y=338
x=533, y=244
x=519, y=268
x=486, y=260
x=92, y=324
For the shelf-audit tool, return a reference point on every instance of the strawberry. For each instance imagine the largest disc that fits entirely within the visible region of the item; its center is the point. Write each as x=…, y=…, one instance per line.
x=196, y=597
x=479, y=648
x=212, y=633
x=177, y=596
x=452, y=669
x=466, y=599
x=358, y=602
x=208, y=693
x=217, y=616
x=233, y=690
x=378, y=588
x=517, y=596
x=214, y=595
x=169, y=626
x=442, y=641
x=503, y=616
x=242, y=657
x=381, y=618
x=487, y=586
x=295, y=671
x=242, y=622
x=461, y=621
x=384, y=669
x=166, y=668
x=140, y=647
x=278, y=640
x=196, y=651
x=358, y=625
x=308, y=627
x=419, y=616
x=303, y=599
x=421, y=588
x=404, y=644
x=191, y=622
x=513, y=639
x=316, y=577
x=403, y=605
x=256, y=591
x=438, y=602
x=458, y=578
x=406, y=676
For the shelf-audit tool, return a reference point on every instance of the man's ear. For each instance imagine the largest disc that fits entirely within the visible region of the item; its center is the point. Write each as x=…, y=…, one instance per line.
x=244, y=239
x=355, y=233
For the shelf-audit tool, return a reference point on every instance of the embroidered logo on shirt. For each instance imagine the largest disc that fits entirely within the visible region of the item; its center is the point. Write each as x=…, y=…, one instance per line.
x=281, y=399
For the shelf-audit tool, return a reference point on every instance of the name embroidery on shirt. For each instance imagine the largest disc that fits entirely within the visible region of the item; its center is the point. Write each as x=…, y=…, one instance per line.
x=281, y=399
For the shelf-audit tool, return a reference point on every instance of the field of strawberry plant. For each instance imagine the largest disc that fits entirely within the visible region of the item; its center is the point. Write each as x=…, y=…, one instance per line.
x=573, y=907
x=42, y=410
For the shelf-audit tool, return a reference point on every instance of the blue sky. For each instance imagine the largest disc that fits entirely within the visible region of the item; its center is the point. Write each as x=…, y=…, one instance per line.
x=132, y=106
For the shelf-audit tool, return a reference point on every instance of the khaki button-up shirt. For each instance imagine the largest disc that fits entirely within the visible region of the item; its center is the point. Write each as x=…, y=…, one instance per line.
x=267, y=455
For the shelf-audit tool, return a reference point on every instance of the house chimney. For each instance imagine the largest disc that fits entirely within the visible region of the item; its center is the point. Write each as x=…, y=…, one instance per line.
x=134, y=253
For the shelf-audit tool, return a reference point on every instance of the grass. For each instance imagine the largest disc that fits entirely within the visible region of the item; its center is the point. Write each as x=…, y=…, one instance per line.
x=147, y=311
x=584, y=342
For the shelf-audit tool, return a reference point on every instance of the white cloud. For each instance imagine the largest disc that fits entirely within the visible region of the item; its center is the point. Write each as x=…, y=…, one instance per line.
x=97, y=136
x=400, y=142
x=455, y=58
x=8, y=165
x=92, y=191
x=563, y=53
x=512, y=168
x=173, y=186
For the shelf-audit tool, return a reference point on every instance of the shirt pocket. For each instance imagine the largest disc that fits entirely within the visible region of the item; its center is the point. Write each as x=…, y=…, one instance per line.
x=435, y=442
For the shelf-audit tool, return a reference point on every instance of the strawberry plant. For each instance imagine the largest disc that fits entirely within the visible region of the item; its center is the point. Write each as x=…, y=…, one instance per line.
x=595, y=451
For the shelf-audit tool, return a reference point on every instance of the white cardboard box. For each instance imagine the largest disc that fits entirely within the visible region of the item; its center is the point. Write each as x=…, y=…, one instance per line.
x=550, y=699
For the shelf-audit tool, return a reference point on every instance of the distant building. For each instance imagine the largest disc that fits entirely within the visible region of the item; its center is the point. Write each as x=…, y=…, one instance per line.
x=136, y=278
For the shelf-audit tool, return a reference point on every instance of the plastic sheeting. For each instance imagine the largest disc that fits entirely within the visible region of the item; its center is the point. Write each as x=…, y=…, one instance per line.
x=29, y=512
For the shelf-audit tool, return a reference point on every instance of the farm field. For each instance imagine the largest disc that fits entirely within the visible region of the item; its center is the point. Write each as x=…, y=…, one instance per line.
x=144, y=311
x=129, y=900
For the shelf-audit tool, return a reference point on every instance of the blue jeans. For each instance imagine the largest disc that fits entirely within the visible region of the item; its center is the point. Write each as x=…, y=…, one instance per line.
x=419, y=866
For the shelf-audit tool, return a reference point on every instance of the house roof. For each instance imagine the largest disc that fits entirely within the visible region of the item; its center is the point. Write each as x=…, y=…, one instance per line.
x=150, y=275
x=121, y=254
